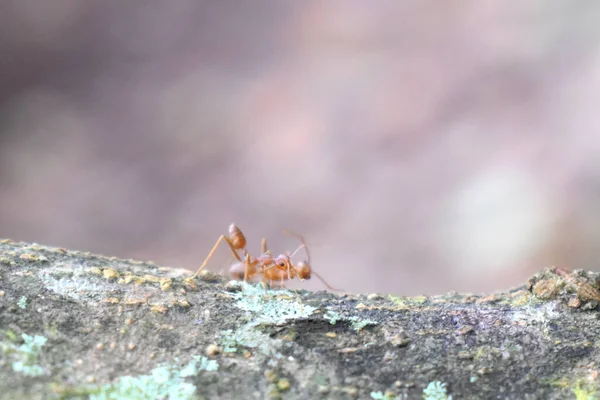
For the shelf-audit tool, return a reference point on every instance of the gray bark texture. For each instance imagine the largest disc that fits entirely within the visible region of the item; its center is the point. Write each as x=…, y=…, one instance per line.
x=75, y=325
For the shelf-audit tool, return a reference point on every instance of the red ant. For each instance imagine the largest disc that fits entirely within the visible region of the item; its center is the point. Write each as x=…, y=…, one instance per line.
x=278, y=268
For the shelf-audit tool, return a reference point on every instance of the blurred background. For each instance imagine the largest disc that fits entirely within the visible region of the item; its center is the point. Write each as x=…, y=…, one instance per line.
x=421, y=147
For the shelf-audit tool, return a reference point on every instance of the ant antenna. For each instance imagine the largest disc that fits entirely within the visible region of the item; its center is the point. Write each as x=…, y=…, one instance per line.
x=299, y=236
x=288, y=232
x=297, y=250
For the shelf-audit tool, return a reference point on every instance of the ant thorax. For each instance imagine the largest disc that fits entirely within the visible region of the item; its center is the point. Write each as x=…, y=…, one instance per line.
x=282, y=262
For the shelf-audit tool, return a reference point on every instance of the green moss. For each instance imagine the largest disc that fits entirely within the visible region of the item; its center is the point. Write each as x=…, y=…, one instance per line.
x=228, y=340
x=246, y=336
x=274, y=308
x=358, y=324
x=521, y=300
x=25, y=357
x=399, y=301
x=7, y=261
x=584, y=393
x=384, y=396
x=332, y=316
x=436, y=391
x=22, y=303
x=164, y=382
x=10, y=335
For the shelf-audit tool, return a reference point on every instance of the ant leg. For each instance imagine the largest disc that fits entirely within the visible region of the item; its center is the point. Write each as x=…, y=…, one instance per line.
x=223, y=237
x=246, y=267
x=263, y=245
x=264, y=272
x=265, y=286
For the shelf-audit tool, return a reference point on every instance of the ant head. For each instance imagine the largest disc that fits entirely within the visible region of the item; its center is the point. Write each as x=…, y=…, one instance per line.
x=303, y=270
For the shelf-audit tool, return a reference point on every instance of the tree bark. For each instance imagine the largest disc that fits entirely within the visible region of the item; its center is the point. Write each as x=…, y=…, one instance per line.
x=79, y=325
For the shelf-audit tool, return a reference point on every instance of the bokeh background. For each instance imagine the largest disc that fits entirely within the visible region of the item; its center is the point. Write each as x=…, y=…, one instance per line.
x=421, y=147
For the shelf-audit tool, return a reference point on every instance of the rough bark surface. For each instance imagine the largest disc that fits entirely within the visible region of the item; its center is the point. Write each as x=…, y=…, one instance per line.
x=78, y=325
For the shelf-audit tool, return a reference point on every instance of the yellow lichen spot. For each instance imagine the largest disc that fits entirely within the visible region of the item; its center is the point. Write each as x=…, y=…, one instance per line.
x=419, y=299
x=212, y=350
x=492, y=298
x=181, y=303
x=347, y=350
x=546, y=288
x=389, y=395
x=7, y=261
x=523, y=298
x=270, y=376
x=95, y=271
x=274, y=395
x=480, y=353
x=360, y=306
x=32, y=257
x=110, y=273
x=190, y=284
x=289, y=337
x=5, y=241
x=112, y=300
x=283, y=384
x=152, y=278
x=133, y=301
x=331, y=334
x=439, y=300
x=208, y=276
x=400, y=340
x=166, y=284
x=138, y=280
x=159, y=308
x=224, y=296
x=399, y=302
x=465, y=330
x=586, y=392
x=127, y=278
x=574, y=302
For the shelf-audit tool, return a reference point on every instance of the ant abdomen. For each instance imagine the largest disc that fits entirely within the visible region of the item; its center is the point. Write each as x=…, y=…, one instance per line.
x=237, y=238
